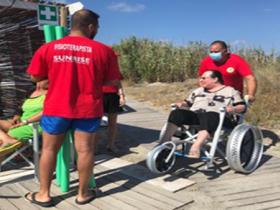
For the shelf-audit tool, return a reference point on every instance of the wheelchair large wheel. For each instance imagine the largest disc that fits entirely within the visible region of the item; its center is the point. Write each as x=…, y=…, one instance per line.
x=244, y=148
x=156, y=159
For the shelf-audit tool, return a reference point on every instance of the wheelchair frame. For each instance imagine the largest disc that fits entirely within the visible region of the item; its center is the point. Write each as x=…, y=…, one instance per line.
x=162, y=158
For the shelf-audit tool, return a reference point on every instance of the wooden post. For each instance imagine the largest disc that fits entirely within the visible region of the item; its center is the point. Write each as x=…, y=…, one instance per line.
x=63, y=16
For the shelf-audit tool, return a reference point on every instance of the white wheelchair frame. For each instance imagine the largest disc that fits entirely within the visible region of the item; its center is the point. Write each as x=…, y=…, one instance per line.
x=162, y=158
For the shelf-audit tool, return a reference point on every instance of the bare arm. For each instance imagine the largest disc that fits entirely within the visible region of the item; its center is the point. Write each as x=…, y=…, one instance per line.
x=236, y=109
x=251, y=83
x=182, y=104
x=34, y=118
x=121, y=94
x=37, y=79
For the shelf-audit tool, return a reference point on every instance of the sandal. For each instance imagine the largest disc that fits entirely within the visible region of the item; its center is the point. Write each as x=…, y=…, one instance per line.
x=32, y=199
x=87, y=200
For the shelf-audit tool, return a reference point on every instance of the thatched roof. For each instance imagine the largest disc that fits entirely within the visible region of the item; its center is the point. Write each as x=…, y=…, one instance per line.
x=19, y=38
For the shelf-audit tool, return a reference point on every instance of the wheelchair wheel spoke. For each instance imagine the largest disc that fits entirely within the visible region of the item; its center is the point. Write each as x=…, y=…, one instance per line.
x=160, y=160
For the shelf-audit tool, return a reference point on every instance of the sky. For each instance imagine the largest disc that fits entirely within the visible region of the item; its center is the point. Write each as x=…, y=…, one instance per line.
x=241, y=23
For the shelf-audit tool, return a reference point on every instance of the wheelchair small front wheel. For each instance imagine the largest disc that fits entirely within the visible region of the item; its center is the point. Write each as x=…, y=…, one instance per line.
x=157, y=159
x=244, y=148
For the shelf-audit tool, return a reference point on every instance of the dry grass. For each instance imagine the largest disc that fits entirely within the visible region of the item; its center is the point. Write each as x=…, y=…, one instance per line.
x=159, y=94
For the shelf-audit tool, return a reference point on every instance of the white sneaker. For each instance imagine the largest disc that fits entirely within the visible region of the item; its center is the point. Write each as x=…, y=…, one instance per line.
x=104, y=121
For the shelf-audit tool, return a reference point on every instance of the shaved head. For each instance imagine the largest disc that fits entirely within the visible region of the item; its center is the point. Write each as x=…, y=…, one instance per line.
x=83, y=18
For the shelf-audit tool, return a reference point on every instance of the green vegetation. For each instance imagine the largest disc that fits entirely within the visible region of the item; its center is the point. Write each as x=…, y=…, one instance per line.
x=144, y=60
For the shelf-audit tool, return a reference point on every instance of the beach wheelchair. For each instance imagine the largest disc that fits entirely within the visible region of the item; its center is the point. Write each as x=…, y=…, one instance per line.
x=243, y=147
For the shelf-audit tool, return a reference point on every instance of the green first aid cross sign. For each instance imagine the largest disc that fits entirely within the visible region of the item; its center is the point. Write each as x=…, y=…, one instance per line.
x=47, y=15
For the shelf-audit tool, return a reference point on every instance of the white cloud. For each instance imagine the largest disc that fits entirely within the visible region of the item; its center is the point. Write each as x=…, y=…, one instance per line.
x=124, y=7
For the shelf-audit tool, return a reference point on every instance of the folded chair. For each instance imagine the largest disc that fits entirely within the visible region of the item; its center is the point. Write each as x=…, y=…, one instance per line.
x=9, y=153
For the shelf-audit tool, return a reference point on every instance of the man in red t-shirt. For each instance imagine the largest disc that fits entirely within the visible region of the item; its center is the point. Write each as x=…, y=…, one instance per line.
x=113, y=100
x=77, y=67
x=233, y=68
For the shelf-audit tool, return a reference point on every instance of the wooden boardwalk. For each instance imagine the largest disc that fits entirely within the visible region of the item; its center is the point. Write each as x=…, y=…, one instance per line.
x=117, y=190
x=125, y=183
x=225, y=188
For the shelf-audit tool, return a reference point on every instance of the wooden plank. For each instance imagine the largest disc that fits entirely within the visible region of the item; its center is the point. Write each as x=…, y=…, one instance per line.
x=6, y=203
x=247, y=195
x=234, y=191
x=269, y=167
x=141, y=196
x=269, y=178
x=61, y=200
x=31, y=186
x=118, y=191
x=16, y=175
x=261, y=203
x=145, y=189
x=117, y=196
x=110, y=197
x=15, y=198
x=68, y=198
x=15, y=171
x=167, y=182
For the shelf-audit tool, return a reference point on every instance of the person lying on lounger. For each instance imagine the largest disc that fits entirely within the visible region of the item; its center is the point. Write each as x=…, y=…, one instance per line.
x=18, y=128
x=204, y=105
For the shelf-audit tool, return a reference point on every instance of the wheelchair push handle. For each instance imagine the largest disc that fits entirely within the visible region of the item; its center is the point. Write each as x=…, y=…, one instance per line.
x=246, y=100
x=173, y=106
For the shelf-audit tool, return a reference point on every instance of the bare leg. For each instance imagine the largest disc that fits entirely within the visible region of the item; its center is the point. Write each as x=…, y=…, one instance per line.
x=112, y=129
x=84, y=143
x=6, y=139
x=195, y=148
x=169, y=132
x=51, y=145
x=5, y=125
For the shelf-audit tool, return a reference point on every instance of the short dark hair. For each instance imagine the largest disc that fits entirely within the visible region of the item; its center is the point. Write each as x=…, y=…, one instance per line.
x=220, y=42
x=216, y=74
x=83, y=18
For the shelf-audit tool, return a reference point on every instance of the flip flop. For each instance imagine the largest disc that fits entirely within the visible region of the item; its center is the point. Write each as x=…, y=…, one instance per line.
x=39, y=203
x=89, y=199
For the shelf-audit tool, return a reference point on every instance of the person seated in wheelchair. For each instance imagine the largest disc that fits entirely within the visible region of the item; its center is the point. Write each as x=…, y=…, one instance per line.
x=18, y=128
x=202, y=108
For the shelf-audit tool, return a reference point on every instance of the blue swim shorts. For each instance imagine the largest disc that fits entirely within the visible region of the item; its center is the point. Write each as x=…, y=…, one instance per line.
x=58, y=125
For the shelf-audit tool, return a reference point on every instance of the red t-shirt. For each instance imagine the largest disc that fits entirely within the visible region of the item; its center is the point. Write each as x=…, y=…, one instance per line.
x=233, y=70
x=111, y=88
x=76, y=67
